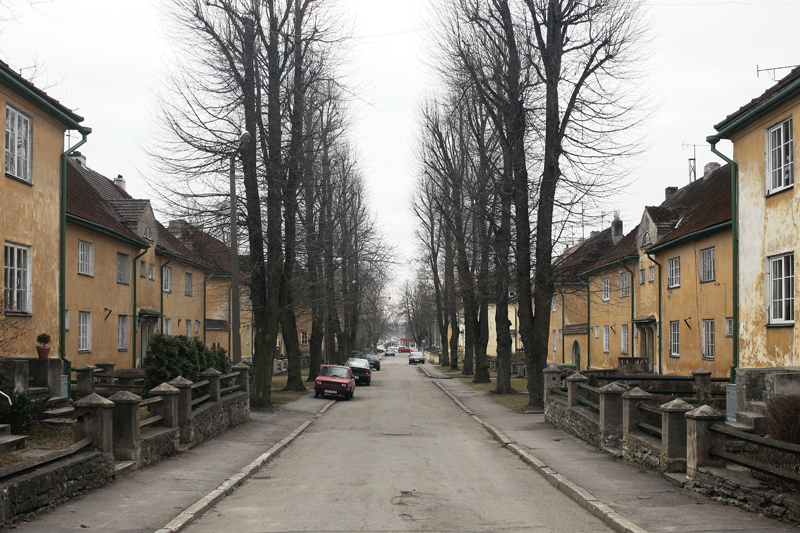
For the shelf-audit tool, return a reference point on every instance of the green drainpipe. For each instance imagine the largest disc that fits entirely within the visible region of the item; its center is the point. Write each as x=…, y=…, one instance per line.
x=62, y=253
x=563, y=340
x=134, y=315
x=713, y=140
x=660, y=291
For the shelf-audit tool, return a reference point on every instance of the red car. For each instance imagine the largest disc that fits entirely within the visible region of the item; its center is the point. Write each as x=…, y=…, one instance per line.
x=404, y=349
x=334, y=380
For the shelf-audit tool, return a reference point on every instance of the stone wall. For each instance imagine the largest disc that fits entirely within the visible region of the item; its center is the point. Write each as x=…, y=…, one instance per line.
x=158, y=444
x=53, y=483
x=213, y=418
x=581, y=422
x=643, y=450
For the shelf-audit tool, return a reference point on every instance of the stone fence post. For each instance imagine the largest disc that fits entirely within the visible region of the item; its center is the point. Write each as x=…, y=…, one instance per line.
x=552, y=379
x=574, y=391
x=127, y=441
x=700, y=440
x=244, y=377
x=631, y=414
x=184, y=387
x=702, y=383
x=94, y=414
x=167, y=409
x=213, y=377
x=84, y=375
x=611, y=413
x=106, y=371
x=673, y=434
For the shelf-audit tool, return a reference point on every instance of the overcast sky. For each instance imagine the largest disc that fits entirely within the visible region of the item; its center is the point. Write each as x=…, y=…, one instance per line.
x=102, y=59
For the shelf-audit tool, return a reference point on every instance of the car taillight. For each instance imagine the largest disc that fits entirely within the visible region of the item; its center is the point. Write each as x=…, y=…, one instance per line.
x=368, y=372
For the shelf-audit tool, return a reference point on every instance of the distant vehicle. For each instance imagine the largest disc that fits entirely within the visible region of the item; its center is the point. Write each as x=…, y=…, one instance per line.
x=380, y=348
x=334, y=380
x=415, y=358
x=404, y=349
x=361, y=370
x=374, y=361
x=389, y=352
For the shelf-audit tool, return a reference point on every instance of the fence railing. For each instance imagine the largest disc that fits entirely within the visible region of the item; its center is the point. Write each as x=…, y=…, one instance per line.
x=753, y=464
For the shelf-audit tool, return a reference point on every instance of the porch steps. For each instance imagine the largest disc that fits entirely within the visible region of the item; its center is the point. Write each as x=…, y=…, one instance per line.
x=60, y=412
x=38, y=392
x=57, y=402
x=757, y=421
x=12, y=443
x=757, y=407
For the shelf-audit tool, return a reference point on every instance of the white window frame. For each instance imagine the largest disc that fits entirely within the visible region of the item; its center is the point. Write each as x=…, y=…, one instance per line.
x=66, y=319
x=123, y=268
x=651, y=274
x=597, y=332
x=247, y=335
x=142, y=269
x=122, y=332
x=167, y=326
x=708, y=264
x=553, y=304
x=166, y=279
x=84, y=331
x=624, y=284
x=188, y=324
x=729, y=326
x=304, y=338
x=674, y=338
x=623, y=339
x=19, y=151
x=605, y=339
x=197, y=327
x=85, y=258
x=707, y=335
x=17, y=278
x=641, y=276
x=555, y=341
x=188, y=278
x=605, y=289
x=151, y=271
x=779, y=156
x=780, y=305
x=674, y=272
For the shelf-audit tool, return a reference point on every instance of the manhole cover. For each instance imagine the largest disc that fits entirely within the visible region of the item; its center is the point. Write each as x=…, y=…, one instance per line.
x=395, y=433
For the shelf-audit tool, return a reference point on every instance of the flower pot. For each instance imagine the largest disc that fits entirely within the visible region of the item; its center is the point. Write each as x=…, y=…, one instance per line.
x=43, y=351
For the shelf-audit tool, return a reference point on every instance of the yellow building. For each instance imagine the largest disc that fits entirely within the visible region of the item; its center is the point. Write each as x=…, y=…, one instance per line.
x=30, y=203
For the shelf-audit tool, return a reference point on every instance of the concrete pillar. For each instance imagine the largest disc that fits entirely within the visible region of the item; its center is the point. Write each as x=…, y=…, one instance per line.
x=127, y=441
x=631, y=414
x=47, y=373
x=702, y=384
x=574, y=391
x=611, y=413
x=700, y=440
x=552, y=380
x=213, y=377
x=84, y=375
x=95, y=421
x=243, y=380
x=184, y=387
x=106, y=371
x=673, y=434
x=168, y=407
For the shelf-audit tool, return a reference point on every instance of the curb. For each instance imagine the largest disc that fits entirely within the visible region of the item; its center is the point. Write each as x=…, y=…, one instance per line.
x=195, y=511
x=583, y=497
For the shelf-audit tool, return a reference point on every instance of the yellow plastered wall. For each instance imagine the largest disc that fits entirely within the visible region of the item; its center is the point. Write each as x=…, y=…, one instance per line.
x=612, y=312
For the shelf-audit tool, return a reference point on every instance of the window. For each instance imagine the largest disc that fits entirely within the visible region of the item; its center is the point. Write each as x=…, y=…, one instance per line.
x=605, y=339
x=188, y=283
x=651, y=274
x=151, y=272
x=18, y=144
x=84, y=331
x=555, y=339
x=123, y=268
x=597, y=332
x=624, y=284
x=247, y=335
x=780, y=145
x=674, y=272
x=708, y=338
x=188, y=327
x=17, y=278
x=641, y=276
x=85, y=258
x=142, y=269
x=708, y=268
x=781, y=283
x=66, y=319
x=605, y=290
x=624, y=339
x=304, y=338
x=166, y=279
x=553, y=304
x=148, y=233
x=729, y=327
x=674, y=338
x=196, y=327
x=122, y=332
x=167, y=326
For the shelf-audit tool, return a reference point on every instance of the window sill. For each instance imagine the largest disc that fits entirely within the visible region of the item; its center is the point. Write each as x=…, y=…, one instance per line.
x=85, y=275
x=675, y=356
x=123, y=283
x=29, y=183
x=122, y=349
x=8, y=312
x=188, y=295
x=707, y=358
x=84, y=351
x=781, y=325
x=670, y=287
x=707, y=281
x=778, y=191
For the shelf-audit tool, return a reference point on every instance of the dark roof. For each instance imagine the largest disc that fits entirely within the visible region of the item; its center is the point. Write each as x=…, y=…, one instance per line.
x=209, y=249
x=168, y=244
x=665, y=217
x=106, y=188
x=626, y=247
x=705, y=203
x=130, y=211
x=765, y=97
x=27, y=89
x=579, y=258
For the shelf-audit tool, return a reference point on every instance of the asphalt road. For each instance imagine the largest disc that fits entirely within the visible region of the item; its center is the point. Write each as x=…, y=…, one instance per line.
x=399, y=457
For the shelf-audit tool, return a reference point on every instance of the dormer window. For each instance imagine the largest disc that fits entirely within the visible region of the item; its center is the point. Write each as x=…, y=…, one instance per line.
x=148, y=233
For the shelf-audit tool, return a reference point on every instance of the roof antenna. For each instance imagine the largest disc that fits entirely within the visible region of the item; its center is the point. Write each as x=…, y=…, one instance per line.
x=772, y=71
x=692, y=160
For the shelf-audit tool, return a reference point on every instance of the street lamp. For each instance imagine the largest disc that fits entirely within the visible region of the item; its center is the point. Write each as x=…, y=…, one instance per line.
x=236, y=340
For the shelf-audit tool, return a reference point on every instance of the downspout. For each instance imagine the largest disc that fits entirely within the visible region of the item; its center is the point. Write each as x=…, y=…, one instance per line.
x=563, y=340
x=631, y=347
x=134, y=315
x=162, y=292
x=660, y=291
x=713, y=140
x=62, y=254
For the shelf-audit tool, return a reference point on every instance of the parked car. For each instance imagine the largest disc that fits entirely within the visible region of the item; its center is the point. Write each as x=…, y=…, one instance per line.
x=404, y=349
x=374, y=361
x=334, y=380
x=415, y=358
x=361, y=370
x=389, y=352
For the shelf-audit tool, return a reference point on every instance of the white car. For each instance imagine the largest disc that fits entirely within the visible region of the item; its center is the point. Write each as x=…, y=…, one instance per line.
x=389, y=352
x=415, y=358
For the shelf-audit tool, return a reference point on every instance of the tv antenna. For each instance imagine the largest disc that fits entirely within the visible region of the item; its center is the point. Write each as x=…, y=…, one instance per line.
x=772, y=71
x=692, y=160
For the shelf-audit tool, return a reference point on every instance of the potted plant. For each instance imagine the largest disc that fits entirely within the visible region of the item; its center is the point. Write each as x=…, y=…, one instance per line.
x=43, y=339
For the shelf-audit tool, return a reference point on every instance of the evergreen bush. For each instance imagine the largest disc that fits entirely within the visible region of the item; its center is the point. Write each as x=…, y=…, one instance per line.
x=172, y=356
x=23, y=411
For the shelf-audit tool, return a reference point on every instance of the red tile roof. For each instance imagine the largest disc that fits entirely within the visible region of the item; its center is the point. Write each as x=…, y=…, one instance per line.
x=764, y=97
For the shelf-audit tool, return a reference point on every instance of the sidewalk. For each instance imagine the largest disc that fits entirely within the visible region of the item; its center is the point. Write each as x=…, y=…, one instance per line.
x=640, y=496
x=149, y=499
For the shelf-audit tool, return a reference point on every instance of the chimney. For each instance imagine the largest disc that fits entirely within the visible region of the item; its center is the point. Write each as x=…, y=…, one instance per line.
x=669, y=191
x=593, y=233
x=78, y=158
x=616, y=229
x=709, y=168
x=119, y=181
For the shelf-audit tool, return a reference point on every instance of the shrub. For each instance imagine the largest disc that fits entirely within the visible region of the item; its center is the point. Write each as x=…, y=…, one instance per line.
x=23, y=411
x=173, y=356
x=783, y=418
x=43, y=339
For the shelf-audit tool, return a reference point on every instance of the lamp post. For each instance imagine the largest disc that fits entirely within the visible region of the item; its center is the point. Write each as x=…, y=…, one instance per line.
x=236, y=340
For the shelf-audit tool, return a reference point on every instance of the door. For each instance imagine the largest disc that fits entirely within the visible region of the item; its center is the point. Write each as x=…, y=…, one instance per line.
x=576, y=355
x=147, y=332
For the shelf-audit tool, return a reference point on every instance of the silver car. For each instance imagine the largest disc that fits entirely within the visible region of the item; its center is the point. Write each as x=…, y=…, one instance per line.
x=415, y=358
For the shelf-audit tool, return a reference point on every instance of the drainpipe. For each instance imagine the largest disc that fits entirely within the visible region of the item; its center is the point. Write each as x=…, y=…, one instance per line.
x=660, y=291
x=134, y=315
x=713, y=140
x=631, y=347
x=162, y=292
x=62, y=253
x=563, y=340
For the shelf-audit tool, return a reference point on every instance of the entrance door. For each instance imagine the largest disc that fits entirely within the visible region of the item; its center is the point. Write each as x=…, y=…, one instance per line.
x=147, y=332
x=576, y=355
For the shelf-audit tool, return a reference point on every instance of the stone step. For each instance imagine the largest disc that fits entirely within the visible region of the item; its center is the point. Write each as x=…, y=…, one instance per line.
x=38, y=391
x=12, y=443
x=5, y=430
x=57, y=402
x=60, y=421
x=757, y=421
x=61, y=412
x=124, y=468
x=757, y=407
x=744, y=428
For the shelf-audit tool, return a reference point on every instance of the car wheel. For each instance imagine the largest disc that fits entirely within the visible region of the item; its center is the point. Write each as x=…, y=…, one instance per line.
x=316, y=394
x=348, y=396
